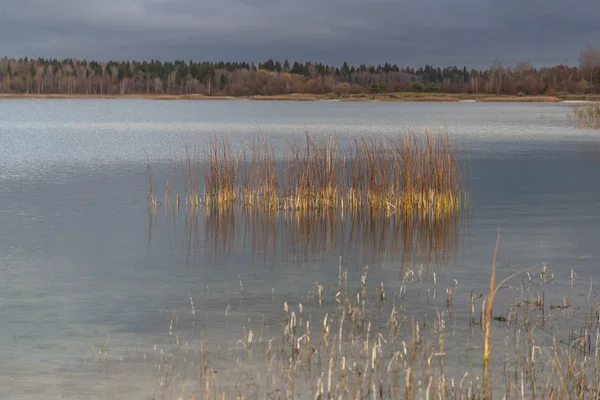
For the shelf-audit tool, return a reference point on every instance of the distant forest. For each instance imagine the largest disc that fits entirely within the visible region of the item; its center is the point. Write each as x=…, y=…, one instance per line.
x=73, y=76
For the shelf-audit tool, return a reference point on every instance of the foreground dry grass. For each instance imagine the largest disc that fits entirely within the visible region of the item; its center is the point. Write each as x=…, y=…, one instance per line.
x=372, y=341
x=388, y=97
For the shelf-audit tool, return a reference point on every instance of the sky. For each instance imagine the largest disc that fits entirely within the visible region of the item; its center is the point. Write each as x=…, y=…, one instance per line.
x=409, y=33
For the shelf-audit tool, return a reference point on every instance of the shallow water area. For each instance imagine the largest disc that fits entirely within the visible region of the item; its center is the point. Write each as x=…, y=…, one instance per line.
x=92, y=282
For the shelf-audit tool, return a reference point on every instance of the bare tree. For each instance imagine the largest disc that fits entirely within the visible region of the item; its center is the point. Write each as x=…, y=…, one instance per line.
x=524, y=66
x=589, y=62
x=496, y=71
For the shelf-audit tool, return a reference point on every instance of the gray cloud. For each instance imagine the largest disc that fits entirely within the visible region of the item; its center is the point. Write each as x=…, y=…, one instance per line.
x=438, y=32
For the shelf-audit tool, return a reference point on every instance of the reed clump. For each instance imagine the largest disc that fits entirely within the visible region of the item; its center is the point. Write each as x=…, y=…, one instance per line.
x=588, y=116
x=408, y=174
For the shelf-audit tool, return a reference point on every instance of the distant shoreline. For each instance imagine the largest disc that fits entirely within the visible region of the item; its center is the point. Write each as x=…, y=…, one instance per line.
x=389, y=97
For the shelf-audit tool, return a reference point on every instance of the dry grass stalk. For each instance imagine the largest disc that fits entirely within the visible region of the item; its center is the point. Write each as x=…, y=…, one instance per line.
x=486, y=318
x=486, y=323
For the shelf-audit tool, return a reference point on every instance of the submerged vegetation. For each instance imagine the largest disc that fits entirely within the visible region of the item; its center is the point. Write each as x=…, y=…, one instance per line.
x=588, y=116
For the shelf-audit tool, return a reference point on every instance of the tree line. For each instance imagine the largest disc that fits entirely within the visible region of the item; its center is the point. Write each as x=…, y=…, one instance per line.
x=73, y=76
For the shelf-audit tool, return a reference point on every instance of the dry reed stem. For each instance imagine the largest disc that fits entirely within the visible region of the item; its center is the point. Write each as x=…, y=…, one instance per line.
x=487, y=318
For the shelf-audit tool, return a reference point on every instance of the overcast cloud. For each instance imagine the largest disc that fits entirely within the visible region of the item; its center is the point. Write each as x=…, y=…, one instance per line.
x=438, y=32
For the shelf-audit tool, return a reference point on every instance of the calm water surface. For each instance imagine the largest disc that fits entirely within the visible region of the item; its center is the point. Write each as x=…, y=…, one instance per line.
x=83, y=265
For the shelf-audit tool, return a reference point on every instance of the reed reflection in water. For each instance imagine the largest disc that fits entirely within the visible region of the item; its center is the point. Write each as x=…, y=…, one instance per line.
x=301, y=236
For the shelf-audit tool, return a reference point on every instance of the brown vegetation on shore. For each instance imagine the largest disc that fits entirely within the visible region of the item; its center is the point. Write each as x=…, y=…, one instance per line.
x=524, y=99
x=387, y=97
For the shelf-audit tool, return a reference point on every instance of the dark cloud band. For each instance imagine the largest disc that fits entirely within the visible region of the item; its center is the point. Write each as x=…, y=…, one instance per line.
x=438, y=32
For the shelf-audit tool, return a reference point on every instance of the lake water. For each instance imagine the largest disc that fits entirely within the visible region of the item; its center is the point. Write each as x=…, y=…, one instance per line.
x=84, y=266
